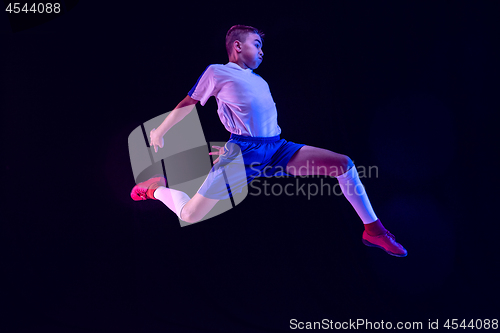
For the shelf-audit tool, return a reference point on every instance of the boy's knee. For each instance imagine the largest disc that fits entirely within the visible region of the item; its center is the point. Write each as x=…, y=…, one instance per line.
x=188, y=216
x=347, y=163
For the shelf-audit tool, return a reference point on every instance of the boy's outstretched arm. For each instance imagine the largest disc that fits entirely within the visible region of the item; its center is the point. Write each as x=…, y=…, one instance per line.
x=181, y=110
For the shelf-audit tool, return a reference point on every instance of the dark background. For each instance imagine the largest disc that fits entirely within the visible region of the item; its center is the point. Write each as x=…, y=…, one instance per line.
x=409, y=87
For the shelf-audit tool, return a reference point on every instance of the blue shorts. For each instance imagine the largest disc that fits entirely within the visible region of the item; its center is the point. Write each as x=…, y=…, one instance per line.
x=244, y=159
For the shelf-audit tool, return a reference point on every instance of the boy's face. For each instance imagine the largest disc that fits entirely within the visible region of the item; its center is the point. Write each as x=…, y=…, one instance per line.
x=251, y=51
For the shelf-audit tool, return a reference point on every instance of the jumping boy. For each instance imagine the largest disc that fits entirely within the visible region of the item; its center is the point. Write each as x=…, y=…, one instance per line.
x=247, y=110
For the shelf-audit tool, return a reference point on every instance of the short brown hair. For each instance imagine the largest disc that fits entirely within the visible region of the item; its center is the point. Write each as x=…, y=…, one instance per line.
x=239, y=32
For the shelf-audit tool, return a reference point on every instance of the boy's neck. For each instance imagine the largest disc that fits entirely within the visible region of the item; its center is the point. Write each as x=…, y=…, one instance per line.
x=240, y=63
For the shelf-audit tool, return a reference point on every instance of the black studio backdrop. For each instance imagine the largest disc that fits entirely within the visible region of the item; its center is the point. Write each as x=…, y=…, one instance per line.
x=407, y=87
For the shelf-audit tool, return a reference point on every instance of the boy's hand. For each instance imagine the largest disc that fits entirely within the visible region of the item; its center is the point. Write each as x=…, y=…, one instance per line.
x=219, y=152
x=155, y=140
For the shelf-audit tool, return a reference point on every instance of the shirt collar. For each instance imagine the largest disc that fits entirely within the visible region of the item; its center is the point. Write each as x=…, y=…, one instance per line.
x=234, y=65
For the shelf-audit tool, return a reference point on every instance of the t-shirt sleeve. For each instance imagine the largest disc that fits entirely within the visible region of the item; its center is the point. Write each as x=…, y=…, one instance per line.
x=204, y=87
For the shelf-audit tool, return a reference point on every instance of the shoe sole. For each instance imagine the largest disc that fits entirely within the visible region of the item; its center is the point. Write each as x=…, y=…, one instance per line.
x=367, y=243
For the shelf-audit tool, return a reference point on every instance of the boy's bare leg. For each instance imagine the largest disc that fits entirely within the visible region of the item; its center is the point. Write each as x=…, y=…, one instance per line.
x=317, y=161
x=326, y=162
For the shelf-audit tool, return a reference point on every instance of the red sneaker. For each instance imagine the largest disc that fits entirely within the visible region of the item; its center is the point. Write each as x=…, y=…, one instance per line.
x=145, y=190
x=386, y=242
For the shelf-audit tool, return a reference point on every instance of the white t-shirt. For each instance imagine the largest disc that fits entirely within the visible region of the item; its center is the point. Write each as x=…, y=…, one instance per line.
x=245, y=104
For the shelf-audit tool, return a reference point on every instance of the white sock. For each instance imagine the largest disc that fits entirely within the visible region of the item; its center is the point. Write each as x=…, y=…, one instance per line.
x=173, y=199
x=355, y=193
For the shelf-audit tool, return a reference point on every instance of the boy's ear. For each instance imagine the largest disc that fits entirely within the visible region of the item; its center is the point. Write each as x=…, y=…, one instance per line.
x=237, y=43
